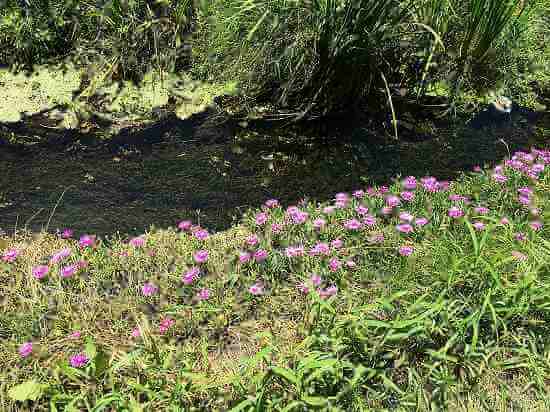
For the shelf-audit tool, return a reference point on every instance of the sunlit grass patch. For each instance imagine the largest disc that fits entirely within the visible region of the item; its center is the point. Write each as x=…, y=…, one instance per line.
x=425, y=292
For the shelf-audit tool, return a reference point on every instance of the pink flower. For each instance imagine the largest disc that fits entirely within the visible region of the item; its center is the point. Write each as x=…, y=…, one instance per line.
x=204, y=294
x=201, y=234
x=520, y=237
x=477, y=169
x=519, y=256
x=60, y=255
x=455, y=212
x=481, y=210
x=272, y=203
x=393, y=201
x=383, y=189
x=359, y=194
x=260, y=255
x=200, y=256
x=536, y=225
x=320, y=249
x=136, y=333
x=421, y=221
x=191, y=275
x=334, y=265
x=252, y=240
x=479, y=226
x=352, y=224
x=504, y=221
x=302, y=287
x=386, y=211
x=407, y=196
x=256, y=289
x=430, y=184
x=458, y=198
x=409, y=183
x=67, y=233
x=341, y=204
x=369, y=220
x=79, y=361
x=406, y=217
x=166, y=324
x=299, y=217
x=319, y=223
x=86, y=241
x=244, y=257
x=404, y=228
x=75, y=335
x=10, y=255
x=316, y=280
x=137, y=242
x=25, y=349
x=377, y=238
x=68, y=271
x=337, y=243
x=330, y=291
x=351, y=264
x=362, y=210
x=149, y=289
x=261, y=219
x=276, y=228
x=524, y=200
x=406, y=250
x=40, y=271
x=82, y=264
x=497, y=177
x=185, y=225
x=525, y=191
x=342, y=197
x=294, y=251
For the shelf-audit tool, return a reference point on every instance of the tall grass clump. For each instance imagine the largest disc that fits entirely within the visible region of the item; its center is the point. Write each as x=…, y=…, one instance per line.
x=311, y=56
x=422, y=295
x=315, y=57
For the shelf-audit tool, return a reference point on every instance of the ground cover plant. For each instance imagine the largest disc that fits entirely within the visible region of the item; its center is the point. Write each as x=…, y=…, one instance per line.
x=420, y=295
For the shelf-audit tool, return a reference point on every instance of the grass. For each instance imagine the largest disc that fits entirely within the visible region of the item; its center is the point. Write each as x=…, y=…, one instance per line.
x=459, y=320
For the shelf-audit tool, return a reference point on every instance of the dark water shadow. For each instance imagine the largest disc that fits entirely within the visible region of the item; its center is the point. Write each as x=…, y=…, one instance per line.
x=210, y=169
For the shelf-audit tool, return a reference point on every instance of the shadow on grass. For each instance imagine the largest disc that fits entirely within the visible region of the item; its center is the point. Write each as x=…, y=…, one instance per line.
x=210, y=169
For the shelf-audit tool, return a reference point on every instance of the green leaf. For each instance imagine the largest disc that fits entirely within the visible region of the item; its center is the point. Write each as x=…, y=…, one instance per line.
x=315, y=400
x=242, y=406
x=29, y=390
x=90, y=349
x=101, y=363
x=285, y=373
x=474, y=237
x=388, y=383
x=291, y=406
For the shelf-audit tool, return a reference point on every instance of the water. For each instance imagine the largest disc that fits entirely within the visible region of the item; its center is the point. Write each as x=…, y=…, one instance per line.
x=212, y=177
